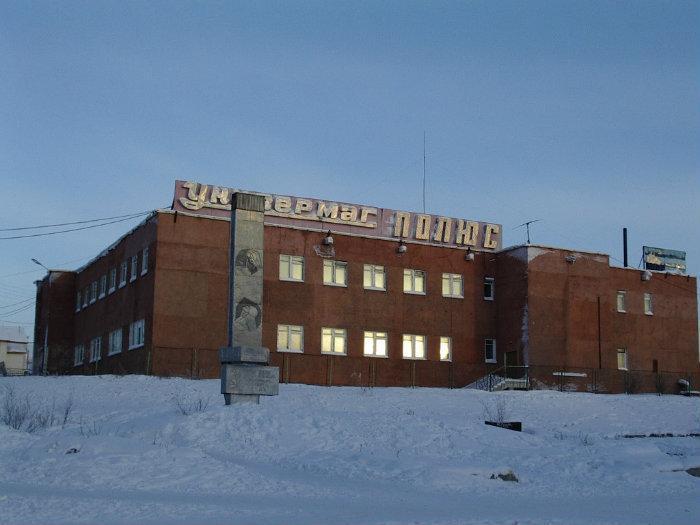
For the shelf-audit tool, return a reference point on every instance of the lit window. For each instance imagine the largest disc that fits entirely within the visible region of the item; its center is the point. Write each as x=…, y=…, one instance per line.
x=93, y=292
x=123, y=269
x=489, y=288
x=622, y=359
x=333, y=341
x=621, y=301
x=78, y=301
x=445, y=349
x=144, y=261
x=452, y=285
x=290, y=338
x=374, y=277
x=103, y=286
x=115, y=342
x=414, y=281
x=137, y=333
x=291, y=268
x=376, y=344
x=413, y=346
x=648, y=304
x=335, y=273
x=112, y=280
x=79, y=355
x=134, y=267
x=490, y=350
x=86, y=296
x=95, y=349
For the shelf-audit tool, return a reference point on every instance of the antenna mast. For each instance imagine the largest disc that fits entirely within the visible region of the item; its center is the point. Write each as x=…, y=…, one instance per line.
x=424, y=172
x=527, y=227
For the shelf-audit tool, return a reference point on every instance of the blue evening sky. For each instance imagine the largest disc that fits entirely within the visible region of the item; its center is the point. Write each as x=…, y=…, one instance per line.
x=585, y=115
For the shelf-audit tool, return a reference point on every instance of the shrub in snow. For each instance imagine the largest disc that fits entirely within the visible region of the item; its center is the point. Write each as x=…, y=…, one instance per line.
x=496, y=410
x=18, y=412
x=189, y=403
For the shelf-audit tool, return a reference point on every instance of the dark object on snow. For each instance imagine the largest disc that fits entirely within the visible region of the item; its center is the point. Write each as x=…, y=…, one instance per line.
x=3, y=370
x=509, y=425
x=694, y=471
x=506, y=476
x=72, y=451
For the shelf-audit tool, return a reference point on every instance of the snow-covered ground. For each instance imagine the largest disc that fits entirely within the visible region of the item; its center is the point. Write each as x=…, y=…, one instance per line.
x=345, y=455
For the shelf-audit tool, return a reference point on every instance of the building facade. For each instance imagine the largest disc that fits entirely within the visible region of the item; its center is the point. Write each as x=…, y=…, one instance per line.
x=13, y=350
x=357, y=295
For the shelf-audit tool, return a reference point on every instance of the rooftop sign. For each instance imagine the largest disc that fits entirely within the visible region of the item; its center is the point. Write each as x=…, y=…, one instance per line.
x=284, y=210
x=664, y=260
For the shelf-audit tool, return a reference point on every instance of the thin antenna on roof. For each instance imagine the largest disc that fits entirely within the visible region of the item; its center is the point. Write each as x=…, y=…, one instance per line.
x=527, y=227
x=423, y=171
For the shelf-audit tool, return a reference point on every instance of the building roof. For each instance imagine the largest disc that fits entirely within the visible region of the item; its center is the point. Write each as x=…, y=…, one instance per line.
x=14, y=334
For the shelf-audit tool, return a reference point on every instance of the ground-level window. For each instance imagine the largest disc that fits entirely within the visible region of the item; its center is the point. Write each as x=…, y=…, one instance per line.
x=291, y=268
x=622, y=359
x=490, y=350
x=79, y=355
x=452, y=285
x=621, y=296
x=334, y=341
x=137, y=334
x=290, y=338
x=413, y=346
x=414, y=281
x=445, y=349
x=489, y=288
x=374, y=277
x=376, y=344
x=115, y=342
x=335, y=273
x=95, y=349
x=112, y=280
x=648, y=304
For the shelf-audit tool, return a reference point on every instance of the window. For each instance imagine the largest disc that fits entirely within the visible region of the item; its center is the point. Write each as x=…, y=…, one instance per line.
x=291, y=268
x=290, y=338
x=78, y=301
x=103, y=286
x=374, y=277
x=134, y=267
x=621, y=301
x=445, y=349
x=144, y=261
x=376, y=344
x=122, y=274
x=115, y=342
x=648, y=305
x=79, y=355
x=93, y=292
x=95, y=349
x=490, y=350
x=137, y=333
x=452, y=285
x=414, y=281
x=489, y=288
x=622, y=359
x=335, y=273
x=333, y=341
x=112, y=280
x=413, y=346
x=86, y=296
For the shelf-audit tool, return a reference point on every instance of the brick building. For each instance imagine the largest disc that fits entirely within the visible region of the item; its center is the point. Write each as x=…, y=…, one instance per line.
x=355, y=295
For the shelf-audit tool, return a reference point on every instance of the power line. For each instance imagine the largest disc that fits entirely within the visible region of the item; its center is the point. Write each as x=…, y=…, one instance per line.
x=74, y=229
x=17, y=311
x=15, y=304
x=71, y=223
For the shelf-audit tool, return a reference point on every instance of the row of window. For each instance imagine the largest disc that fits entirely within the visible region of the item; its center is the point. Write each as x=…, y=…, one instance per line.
x=622, y=302
x=98, y=289
x=290, y=338
x=335, y=273
x=137, y=336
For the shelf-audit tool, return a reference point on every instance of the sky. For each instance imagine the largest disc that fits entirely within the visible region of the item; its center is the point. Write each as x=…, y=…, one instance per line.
x=583, y=115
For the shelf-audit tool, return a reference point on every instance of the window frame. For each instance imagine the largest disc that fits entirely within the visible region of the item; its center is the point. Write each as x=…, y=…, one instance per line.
x=375, y=335
x=414, y=340
x=93, y=292
x=289, y=328
x=335, y=332
x=374, y=270
x=86, y=296
x=137, y=328
x=621, y=294
x=79, y=300
x=334, y=265
x=622, y=351
x=134, y=268
x=290, y=260
x=103, y=287
x=95, y=349
x=112, y=285
x=491, y=282
x=648, y=306
x=413, y=272
x=451, y=279
x=448, y=340
x=110, y=343
x=123, y=273
x=494, y=359
x=79, y=352
x=144, y=261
